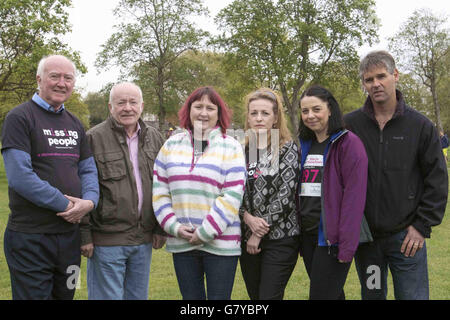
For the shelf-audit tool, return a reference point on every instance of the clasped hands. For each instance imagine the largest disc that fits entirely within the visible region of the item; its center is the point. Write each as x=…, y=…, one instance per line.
x=76, y=209
x=189, y=234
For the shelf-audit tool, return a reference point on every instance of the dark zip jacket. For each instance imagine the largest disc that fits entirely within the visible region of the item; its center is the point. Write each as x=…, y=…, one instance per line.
x=407, y=176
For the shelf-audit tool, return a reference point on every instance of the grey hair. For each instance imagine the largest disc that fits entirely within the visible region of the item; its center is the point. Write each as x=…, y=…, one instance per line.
x=379, y=58
x=121, y=83
x=41, y=65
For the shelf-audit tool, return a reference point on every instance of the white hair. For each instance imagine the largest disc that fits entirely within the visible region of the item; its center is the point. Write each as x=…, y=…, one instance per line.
x=41, y=65
x=111, y=93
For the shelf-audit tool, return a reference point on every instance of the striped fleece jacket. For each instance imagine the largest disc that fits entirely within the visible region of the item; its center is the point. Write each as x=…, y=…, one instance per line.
x=203, y=193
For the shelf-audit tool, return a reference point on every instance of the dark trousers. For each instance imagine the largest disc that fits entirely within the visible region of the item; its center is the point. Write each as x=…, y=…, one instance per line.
x=267, y=273
x=42, y=266
x=327, y=275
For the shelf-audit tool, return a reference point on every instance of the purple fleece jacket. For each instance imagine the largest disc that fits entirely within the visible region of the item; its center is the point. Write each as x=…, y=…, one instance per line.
x=344, y=186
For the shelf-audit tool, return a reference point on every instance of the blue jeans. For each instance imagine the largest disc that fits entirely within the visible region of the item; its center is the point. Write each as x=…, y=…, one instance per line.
x=119, y=272
x=192, y=266
x=409, y=274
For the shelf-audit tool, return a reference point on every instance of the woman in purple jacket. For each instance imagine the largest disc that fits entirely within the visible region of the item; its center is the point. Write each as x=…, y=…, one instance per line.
x=332, y=193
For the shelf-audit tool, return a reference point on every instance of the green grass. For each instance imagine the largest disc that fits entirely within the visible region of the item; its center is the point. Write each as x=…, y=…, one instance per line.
x=5, y=290
x=163, y=283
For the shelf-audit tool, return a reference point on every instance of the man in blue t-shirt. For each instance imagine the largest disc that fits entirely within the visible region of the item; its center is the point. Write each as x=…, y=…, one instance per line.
x=52, y=180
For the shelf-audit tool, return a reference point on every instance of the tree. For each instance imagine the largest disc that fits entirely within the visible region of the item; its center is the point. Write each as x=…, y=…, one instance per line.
x=415, y=93
x=76, y=106
x=344, y=82
x=29, y=30
x=444, y=95
x=191, y=70
x=6, y=104
x=422, y=51
x=157, y=33
x=287, y=43
x=97, y=103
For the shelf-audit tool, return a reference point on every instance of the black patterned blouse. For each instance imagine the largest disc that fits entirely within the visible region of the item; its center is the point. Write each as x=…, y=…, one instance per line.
x=270, y=192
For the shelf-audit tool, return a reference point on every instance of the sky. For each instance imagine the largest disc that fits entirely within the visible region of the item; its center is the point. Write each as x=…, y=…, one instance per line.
x=92, y=24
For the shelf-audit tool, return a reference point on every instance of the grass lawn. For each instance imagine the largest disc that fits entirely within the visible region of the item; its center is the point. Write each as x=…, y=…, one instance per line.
x=163, y=283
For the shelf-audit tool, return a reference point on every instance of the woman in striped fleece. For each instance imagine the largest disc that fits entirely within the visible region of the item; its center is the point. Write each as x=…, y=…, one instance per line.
x=198, y=184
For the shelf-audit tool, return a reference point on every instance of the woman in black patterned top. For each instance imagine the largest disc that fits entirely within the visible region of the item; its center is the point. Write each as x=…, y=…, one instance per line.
x=270, y=227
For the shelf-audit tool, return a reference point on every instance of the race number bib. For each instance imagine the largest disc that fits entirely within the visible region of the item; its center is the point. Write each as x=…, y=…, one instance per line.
x=312, y=176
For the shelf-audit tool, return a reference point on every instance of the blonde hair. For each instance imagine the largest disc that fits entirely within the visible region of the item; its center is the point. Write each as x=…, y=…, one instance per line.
x=278, y=110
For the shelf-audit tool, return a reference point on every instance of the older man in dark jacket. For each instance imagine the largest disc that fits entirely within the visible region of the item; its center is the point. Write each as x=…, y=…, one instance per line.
x=119, y=237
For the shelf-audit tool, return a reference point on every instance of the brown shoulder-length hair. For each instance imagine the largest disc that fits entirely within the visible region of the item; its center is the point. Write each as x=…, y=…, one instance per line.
x=278, y=110
x=224, y=113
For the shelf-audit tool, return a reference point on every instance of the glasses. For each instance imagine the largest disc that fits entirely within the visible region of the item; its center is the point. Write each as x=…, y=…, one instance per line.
x=57, y=76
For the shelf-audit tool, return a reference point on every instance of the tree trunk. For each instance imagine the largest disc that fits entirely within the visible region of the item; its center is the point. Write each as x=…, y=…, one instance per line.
x=437, y=110
x=292, y=109
x=160, y=93
x=292, y=106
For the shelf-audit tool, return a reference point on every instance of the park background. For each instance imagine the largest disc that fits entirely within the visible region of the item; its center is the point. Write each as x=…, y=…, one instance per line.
x=171, y=47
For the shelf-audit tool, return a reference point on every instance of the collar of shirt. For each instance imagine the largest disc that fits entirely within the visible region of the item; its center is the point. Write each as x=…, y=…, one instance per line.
x=135, y=134
x=45, y=105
